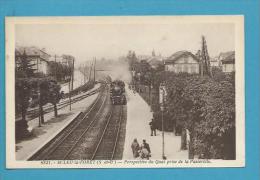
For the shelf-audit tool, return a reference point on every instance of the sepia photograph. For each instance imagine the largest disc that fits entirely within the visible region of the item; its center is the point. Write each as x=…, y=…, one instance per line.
x=125, y=92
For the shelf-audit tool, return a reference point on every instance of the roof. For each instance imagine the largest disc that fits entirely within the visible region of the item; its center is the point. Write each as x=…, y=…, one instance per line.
x=178, y=55
x=227, y=57
x=31, y=51
x=155, y=61
x=215, y=59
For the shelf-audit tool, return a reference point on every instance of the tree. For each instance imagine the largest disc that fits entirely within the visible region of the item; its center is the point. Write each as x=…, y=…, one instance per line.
x=206, y=107
x=54, y=95
x=43, y=91
x=24, y=66
x=49, y=93
x=43, y=97
x=132, y=59
x=61, y=72
x=23, y=71
x=211, y=116
x=22, y=96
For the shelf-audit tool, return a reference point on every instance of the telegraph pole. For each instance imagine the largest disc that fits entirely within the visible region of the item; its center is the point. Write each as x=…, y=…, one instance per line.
x=72, y=73
x=90, y=72
x=71, y=81
x=205, y=58
x=55, y=68
x=70, y=95
x=38, y=91
x=94, y=70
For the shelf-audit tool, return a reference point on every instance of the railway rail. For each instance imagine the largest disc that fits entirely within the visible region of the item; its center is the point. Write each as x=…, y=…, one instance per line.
x=95, y=134
x=107, y=144
x=56, y=149
x=33, y=113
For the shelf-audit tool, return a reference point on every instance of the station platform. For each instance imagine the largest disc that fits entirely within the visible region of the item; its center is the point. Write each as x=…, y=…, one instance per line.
x=138, y=118
x=41, y=135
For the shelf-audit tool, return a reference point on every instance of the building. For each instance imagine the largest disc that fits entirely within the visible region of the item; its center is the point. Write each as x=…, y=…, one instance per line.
x=67, y=60
x=227, y=61
x=214, y=62
x=143, y=57
x=38, y=58
x=63, y=59
x=155, y=62
x=183, y=61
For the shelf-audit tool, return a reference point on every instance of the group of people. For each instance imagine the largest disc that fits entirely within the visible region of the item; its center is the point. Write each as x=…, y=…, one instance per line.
x=142, y=151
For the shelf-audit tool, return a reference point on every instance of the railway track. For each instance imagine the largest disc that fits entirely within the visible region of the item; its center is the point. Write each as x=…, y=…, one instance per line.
x=96, y=135
x=107, y=145
x=60, y=145
x=33, y=113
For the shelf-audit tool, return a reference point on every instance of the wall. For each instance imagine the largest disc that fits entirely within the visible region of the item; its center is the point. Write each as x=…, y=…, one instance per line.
x=184, y=64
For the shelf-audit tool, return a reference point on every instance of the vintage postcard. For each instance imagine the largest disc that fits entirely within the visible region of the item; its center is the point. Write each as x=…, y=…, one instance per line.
x=125, y=92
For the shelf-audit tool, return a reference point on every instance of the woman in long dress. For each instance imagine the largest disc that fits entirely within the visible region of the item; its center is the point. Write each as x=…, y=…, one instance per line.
x=135, y=148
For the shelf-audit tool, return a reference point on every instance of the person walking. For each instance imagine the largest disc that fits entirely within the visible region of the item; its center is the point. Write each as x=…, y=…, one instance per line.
x=145, y=150
x=153, y=127
x=135, y=148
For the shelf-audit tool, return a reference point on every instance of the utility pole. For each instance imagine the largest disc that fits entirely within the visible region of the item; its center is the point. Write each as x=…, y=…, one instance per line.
x=38, y=89
x=70, y=95
x=90, y=72
x=85, y=72
x=72, y=75
x=94, y=69
x=205, y=58
x=55, y=68
x=71, y=81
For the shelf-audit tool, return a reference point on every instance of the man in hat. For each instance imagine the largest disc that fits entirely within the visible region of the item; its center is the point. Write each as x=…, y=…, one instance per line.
x=152, y=127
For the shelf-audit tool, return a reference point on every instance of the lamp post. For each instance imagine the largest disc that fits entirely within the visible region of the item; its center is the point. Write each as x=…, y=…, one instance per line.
x=151, y=97
x=133, y=80
x=151, y=90
x=162, y=103
x=39, y=111
x=163, y=155
x=70, y=93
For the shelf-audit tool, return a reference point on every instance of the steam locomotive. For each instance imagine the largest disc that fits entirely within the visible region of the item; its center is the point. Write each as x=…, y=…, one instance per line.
x=117, y=92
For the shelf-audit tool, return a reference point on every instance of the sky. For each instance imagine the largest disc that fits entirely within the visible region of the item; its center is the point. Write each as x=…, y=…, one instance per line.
x=85, y=41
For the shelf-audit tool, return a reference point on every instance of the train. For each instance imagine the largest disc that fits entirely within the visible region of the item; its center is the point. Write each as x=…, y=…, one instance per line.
x=117, y=92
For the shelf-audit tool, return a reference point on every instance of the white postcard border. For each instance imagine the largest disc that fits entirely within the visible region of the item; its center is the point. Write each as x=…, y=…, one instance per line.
x=238, y=21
